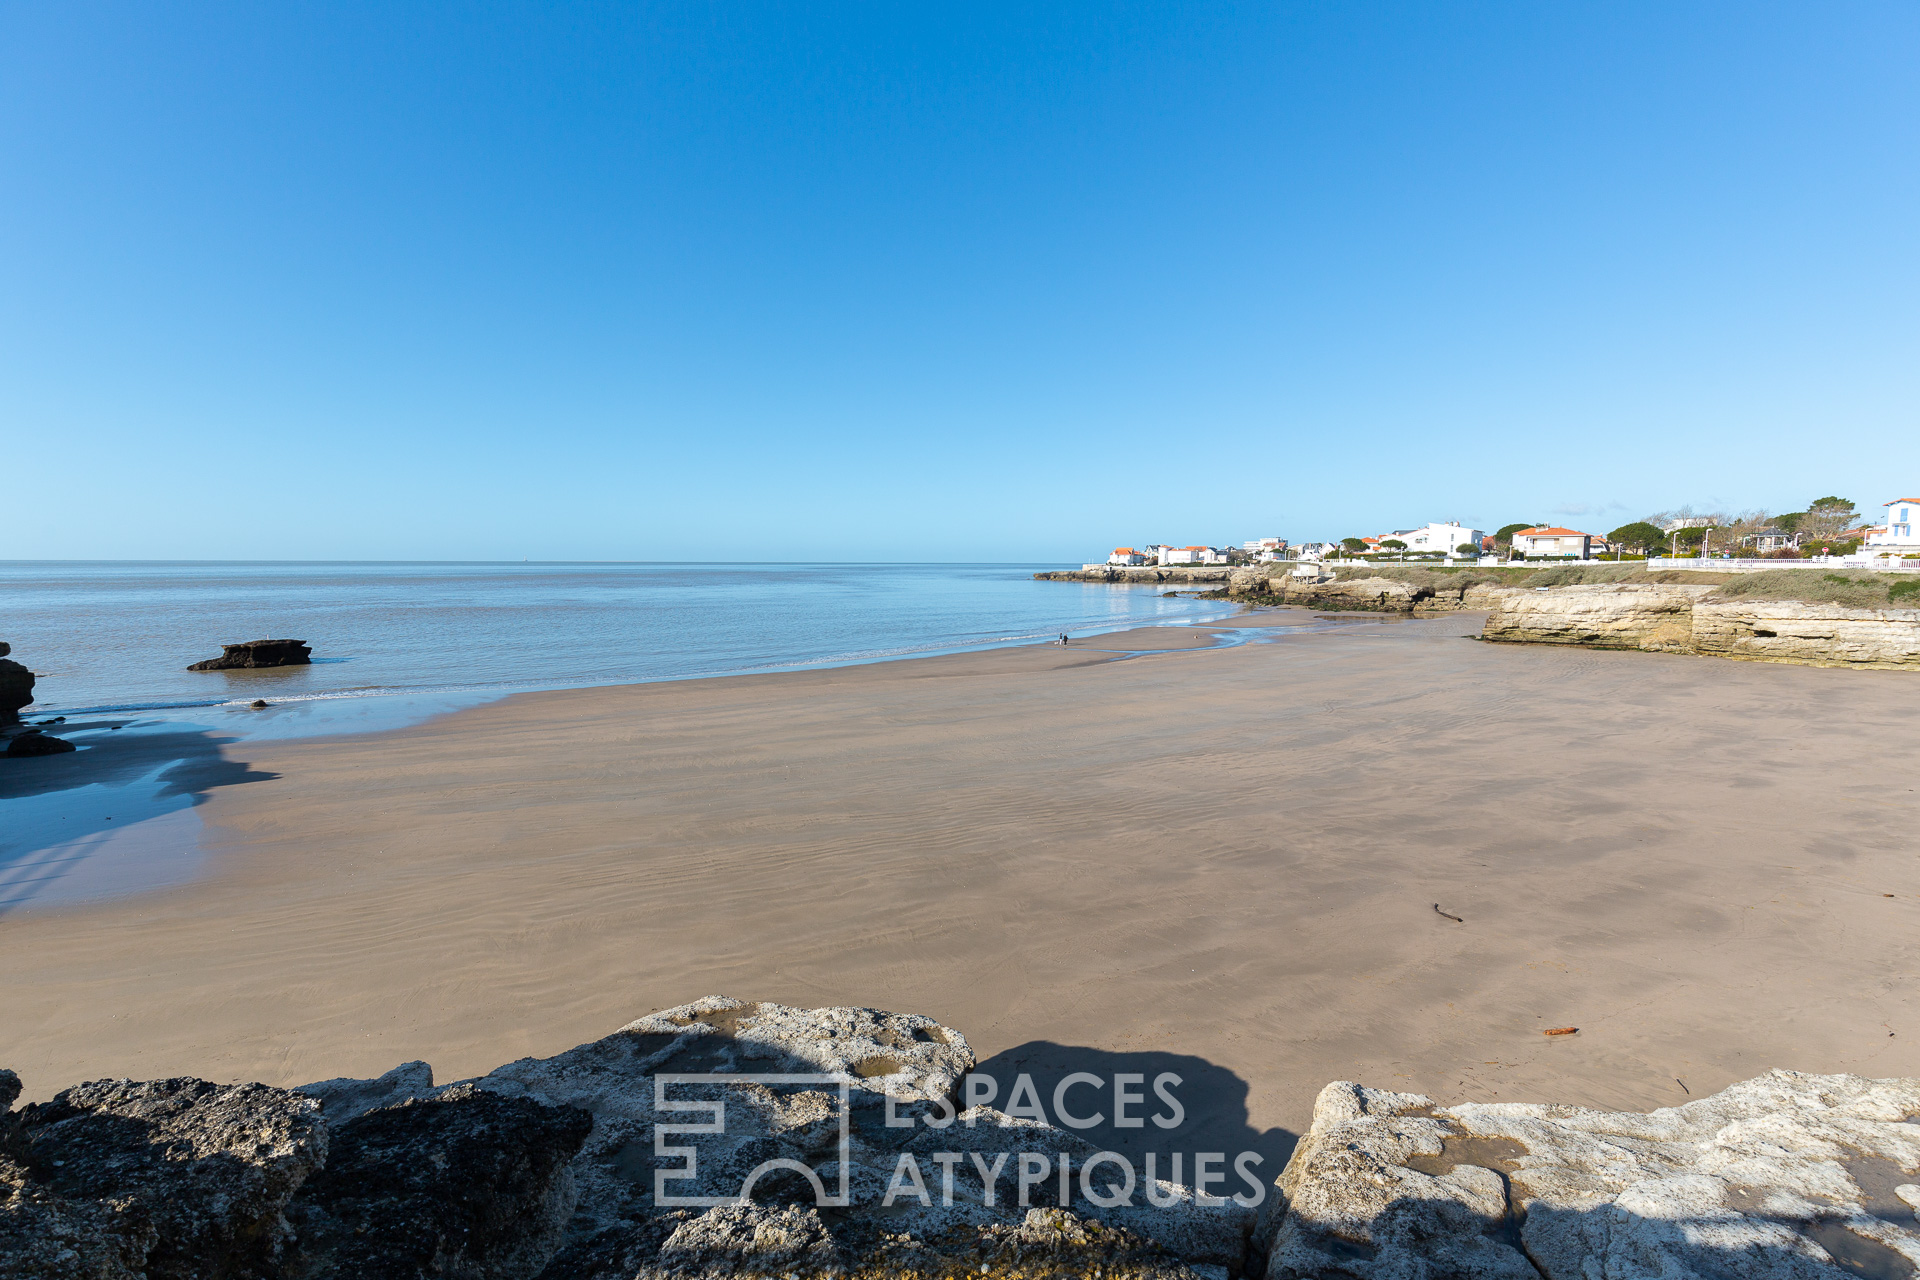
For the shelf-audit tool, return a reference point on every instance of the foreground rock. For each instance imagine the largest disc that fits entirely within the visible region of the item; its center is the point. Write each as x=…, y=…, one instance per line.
x=819, y=1168
x=16, y=686
x=1785, y=1175
x=618, y=1159
x=258, y=653
x=1686, y=619
x=726, y=1138
x=168, y=1178
x=464, y=1183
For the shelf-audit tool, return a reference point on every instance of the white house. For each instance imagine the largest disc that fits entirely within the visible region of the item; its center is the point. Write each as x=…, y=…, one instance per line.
x=1765, y=540
x=1551, y=540
x=1897, y=534
x=1266, y=550
x=1439, y=537
x=1192, y=555
x=1317, y=550
x=1126, y=555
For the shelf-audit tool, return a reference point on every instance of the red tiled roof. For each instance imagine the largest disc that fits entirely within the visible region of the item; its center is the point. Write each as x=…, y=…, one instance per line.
x=1898, y=501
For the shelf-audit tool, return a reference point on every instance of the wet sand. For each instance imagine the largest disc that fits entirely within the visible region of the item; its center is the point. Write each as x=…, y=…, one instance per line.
x=1226, y=853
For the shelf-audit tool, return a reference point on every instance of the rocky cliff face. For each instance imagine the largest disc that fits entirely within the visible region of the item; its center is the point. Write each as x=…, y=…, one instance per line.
x=626, y=1158
x=1685, y=619
x=1655, y=618
x=1264, y=585
x=258, y=653
x=1824, y=635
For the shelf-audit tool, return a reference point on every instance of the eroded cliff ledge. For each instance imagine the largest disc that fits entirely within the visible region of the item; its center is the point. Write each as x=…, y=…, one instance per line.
x=1684, y=619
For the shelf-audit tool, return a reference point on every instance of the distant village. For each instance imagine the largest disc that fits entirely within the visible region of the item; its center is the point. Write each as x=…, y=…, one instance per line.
x=1830, y=528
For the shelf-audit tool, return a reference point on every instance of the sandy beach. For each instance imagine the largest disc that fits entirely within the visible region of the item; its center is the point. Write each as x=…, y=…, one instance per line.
x=1227, y=856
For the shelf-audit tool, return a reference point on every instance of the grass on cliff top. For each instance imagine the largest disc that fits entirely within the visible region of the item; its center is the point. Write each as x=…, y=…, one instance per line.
x=1855, y=588
x=1858, y=589
x=1560, y=575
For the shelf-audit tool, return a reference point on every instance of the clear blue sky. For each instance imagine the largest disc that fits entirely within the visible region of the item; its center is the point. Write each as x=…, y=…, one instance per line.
x=915, y=281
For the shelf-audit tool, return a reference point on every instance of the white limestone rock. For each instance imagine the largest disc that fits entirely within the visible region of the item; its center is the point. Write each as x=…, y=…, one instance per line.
x=1648, y=616
x=1785, y=1175
x=1821, y=635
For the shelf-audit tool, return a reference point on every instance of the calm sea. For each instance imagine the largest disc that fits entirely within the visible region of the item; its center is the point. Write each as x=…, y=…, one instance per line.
x=119, y=636
x=396, y=643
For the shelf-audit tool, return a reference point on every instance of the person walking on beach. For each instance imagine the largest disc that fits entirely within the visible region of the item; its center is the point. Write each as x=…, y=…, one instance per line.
x=1063, y=637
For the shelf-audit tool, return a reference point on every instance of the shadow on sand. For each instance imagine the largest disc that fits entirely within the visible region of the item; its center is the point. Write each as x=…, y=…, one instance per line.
x=112, y=818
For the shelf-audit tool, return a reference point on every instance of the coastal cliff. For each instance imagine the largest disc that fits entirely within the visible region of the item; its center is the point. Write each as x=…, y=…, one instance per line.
x=1608, y=607
x=1274, y=584
x=1371, y=594
x=1655, y=618
x=1684, y=619
x=725, y=1138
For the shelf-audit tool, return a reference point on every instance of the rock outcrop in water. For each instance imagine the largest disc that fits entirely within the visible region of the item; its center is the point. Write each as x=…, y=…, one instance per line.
x=625, y=1159
x=16, y=691
x=258, y=653
x=16, y=686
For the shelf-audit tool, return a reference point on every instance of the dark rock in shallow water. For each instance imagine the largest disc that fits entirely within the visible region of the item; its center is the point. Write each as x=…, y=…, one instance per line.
x=36, y=743
x=170, y=1178
x=16, y=688
x=258, y=653
x=466, y=1183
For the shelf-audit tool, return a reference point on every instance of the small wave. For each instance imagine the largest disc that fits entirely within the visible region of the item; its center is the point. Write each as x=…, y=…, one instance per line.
x=503, y=688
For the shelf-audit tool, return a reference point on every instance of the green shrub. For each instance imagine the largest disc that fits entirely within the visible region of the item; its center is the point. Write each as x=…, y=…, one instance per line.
x=1901, y=590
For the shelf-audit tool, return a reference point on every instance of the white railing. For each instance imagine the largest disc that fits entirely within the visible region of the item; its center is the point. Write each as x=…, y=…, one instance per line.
x=1710, y=565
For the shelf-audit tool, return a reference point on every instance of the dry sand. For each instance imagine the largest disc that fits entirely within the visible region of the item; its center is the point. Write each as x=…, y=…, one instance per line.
x=1229, y=855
